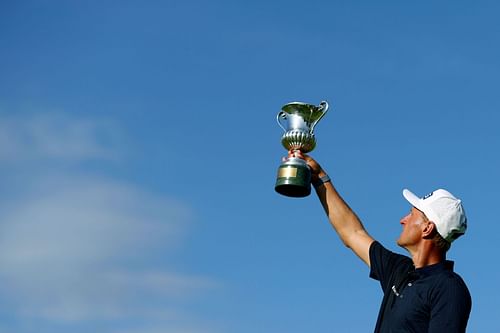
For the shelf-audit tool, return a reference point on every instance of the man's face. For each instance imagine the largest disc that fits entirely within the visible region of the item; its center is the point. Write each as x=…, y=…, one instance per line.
x=413, y=224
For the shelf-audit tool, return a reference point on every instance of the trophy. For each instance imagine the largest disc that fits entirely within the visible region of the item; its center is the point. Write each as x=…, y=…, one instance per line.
x=298, y=121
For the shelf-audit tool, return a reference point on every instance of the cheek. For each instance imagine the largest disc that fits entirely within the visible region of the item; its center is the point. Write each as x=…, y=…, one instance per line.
x=417, y=223
x=414, y=229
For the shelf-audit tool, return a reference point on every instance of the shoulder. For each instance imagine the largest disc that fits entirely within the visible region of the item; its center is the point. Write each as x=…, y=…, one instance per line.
x=451, y=280
x=450, y=287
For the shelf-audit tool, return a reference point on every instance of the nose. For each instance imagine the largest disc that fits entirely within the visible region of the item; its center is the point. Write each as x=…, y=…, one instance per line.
x=404, y=219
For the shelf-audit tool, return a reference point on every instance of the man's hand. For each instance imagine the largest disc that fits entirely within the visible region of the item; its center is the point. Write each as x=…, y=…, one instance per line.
x=316, y=170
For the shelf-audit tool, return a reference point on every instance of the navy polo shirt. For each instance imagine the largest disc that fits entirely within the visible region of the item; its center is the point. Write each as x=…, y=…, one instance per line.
x=429, y=299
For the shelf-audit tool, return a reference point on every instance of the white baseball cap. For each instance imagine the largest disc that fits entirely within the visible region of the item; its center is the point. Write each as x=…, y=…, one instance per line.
x=442, y=208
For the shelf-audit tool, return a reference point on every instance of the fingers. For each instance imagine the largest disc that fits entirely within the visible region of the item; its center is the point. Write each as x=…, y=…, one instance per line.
x=312, y=163
x=296, y=153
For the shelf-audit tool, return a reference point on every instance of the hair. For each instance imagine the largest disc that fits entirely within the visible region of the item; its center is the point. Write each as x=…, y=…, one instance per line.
x=440, y=242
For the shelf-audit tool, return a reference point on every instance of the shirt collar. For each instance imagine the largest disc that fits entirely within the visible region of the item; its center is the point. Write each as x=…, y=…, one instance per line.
x=446, y=265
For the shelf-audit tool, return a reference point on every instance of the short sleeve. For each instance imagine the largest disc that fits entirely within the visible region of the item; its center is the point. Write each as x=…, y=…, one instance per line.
x=385, y=265
x=450, y=306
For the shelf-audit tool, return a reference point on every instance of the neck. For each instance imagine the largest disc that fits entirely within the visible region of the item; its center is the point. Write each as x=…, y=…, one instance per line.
x=426, y=254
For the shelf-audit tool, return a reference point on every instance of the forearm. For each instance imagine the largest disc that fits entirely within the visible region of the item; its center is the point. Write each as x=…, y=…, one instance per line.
x=341, y=216
x=343, y=219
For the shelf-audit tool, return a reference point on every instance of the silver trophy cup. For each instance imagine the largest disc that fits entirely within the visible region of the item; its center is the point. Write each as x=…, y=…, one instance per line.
x=298, y=121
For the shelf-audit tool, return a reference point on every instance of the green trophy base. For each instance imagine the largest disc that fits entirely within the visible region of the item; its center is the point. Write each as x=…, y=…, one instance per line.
x=294, y=178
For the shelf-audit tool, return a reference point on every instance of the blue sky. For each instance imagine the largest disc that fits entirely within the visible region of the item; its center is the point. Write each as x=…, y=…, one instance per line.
x=139, y=149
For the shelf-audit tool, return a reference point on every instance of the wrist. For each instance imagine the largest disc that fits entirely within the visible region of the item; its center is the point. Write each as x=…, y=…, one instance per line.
x=321, y=179
x=322, y=173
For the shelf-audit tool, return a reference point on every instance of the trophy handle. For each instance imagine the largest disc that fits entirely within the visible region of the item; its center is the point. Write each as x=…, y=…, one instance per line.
x=279, y=116
x=323, y=106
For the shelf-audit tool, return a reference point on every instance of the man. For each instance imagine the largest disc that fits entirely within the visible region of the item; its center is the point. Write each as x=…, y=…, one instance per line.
x=421, y=293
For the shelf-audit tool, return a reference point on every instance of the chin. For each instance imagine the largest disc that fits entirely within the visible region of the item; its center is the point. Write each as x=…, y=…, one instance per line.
x=400, y=242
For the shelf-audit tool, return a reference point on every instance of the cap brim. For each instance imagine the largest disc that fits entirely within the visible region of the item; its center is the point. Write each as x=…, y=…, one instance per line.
x=413, y=199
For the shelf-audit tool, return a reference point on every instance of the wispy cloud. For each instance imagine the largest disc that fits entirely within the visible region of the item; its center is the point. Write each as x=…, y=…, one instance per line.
x=79, y=248
x=56, y=135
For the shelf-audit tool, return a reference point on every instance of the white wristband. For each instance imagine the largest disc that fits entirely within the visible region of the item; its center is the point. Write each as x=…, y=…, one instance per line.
x=321, y=181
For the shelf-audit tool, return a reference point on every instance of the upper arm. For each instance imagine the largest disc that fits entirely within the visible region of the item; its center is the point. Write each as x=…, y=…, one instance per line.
x=359, y=242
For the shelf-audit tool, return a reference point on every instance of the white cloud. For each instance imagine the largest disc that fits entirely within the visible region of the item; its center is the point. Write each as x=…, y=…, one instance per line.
x=79, y=248
x=74, y=254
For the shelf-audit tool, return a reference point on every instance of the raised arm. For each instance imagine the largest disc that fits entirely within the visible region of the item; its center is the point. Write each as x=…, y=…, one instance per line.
x=341, y=216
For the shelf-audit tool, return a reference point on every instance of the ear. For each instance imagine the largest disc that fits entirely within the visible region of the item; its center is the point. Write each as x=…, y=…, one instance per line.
x=429, y=230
